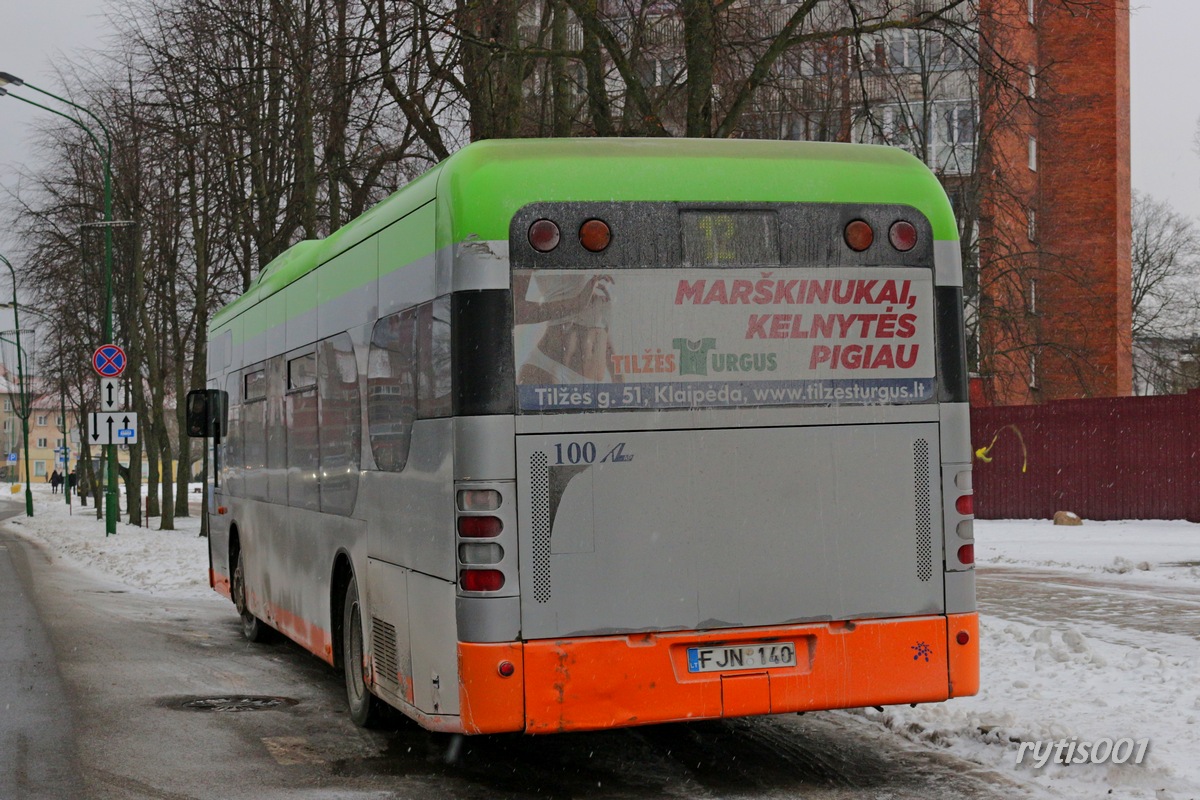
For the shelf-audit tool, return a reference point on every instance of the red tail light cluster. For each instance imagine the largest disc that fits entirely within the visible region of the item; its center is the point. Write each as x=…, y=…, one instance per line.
x=859, y=235
x=594, y=235
x=479, y=527
x=965, y=504
x=481, y=580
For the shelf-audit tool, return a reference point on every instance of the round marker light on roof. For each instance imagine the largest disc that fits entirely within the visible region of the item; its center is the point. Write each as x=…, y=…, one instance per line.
x=543, y=236
x=594, y=235
x=859, y=235
x=903, y=236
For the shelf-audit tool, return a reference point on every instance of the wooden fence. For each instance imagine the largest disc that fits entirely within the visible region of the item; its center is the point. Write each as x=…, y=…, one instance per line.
x=1104, y=458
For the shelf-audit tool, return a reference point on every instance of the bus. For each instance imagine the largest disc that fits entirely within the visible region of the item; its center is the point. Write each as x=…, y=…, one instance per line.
x=578, y=434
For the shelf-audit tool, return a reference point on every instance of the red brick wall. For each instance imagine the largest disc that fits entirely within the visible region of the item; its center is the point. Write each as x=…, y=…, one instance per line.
x=1084, y=199
x=1080, y=192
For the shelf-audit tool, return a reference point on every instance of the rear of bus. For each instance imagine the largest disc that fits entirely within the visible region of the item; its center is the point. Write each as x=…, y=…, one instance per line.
x=754, y=496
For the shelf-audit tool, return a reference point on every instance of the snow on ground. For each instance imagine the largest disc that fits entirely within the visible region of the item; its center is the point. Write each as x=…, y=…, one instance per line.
x=171, y=563
x=1045, y=679
x=1081, y=681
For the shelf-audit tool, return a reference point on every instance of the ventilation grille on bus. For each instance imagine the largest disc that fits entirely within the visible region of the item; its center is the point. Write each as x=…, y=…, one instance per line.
x=924, y=523
x=383, y=639
x=539, y=474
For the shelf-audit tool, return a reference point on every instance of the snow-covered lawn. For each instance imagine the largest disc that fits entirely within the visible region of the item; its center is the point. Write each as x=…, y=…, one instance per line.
x=1049, y=680
x=1044, y=678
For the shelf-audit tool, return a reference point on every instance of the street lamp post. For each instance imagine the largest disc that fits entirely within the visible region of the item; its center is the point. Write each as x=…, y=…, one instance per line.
x=7, y=79
x=24, y=398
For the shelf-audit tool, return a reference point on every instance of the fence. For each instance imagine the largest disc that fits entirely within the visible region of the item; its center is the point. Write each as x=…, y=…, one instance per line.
x=1104, y=458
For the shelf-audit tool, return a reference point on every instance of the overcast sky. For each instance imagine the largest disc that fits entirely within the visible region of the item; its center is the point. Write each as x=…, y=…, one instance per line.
x=34, y=36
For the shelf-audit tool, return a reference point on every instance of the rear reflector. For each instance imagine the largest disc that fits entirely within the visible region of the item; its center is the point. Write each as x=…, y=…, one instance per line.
x=594, y=235
x=963, y=637
x=965, y=505
x=479, y=527
x=859, y=235
x=506, y=669
x=481, y=580
x=966, y=554
x=543, y=236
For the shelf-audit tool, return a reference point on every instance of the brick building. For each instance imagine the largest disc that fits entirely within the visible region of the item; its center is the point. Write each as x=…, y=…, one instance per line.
x=1055, y=202
x=1020, y=106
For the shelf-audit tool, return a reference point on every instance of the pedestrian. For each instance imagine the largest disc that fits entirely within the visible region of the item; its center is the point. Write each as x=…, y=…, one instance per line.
x=55, y=481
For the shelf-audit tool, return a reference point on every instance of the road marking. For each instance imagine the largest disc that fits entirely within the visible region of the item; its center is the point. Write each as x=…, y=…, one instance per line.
x=291, y=750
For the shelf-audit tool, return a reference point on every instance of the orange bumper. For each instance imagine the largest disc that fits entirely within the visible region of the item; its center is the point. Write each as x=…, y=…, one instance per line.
x=614, y=681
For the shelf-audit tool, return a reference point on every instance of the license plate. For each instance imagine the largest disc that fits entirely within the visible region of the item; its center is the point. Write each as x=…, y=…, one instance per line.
x=758, y=656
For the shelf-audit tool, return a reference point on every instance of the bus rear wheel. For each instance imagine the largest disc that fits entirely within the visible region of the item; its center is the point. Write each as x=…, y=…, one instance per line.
x=366, y=709
x=253, y=628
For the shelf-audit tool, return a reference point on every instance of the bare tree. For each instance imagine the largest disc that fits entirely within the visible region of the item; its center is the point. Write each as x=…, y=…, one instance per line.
x=1166, y=298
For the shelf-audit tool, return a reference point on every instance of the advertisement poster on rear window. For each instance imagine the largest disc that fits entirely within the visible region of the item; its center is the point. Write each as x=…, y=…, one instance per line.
x=702, y=338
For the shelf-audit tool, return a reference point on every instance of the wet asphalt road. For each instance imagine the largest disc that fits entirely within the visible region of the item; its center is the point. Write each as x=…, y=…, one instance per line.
x=37, y=744
x=130, y=663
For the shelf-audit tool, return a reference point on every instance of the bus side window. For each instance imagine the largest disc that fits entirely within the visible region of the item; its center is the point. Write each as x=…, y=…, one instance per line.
x=433, y=389
x=392, y=389
x=339, y=429
x=303, y=450
x=231, y=445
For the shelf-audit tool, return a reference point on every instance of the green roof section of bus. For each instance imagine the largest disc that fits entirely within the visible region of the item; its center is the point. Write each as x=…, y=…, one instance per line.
x=490, y=180
x=479, y=188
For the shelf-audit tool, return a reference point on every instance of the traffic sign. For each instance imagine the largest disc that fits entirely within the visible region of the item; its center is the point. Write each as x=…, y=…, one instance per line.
x=110, y=394
x=112, y=428
x=108, y=361
x=12, y=457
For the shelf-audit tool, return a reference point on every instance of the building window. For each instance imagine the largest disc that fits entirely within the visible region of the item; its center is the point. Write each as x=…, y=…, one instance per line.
x=58, y=442
x=1030, y=4
x=41, y=420
x=1031, y=215
x=1033, y=295
x=1032, y=81
x=41, y=442
x=8, y=405
x=39, y=469
x=1032, y=154
x=1033, y=366
x=960, y=124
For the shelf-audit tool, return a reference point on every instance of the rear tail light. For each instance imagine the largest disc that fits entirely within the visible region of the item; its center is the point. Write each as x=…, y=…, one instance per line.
x=965, y=505
x=595, y=235
x=481, y=580
x=479, y=527
x=859, y=235
x=966, y=554
x=478, y=500
x=903, y=236
x=543, y=236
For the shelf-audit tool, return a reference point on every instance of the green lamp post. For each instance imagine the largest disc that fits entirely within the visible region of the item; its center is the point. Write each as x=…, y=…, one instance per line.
x=105, y=150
